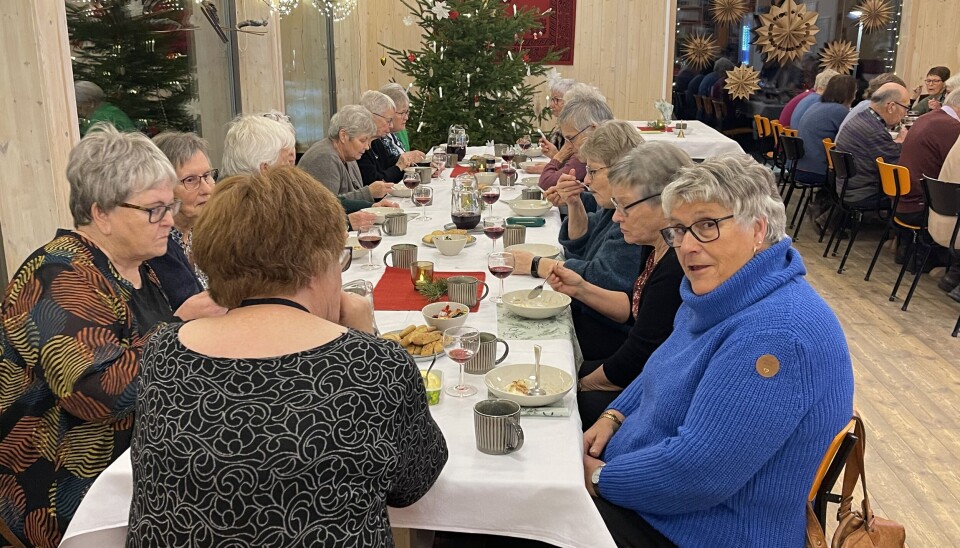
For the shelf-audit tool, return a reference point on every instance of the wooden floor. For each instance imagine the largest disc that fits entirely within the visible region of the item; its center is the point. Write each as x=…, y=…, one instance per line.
x=907, y=374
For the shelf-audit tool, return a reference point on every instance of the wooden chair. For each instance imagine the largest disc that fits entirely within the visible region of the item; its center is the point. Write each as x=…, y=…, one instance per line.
x=895, y=183
x=943, y=206
x=829, y=470
x=707, y=109
x=698, y=101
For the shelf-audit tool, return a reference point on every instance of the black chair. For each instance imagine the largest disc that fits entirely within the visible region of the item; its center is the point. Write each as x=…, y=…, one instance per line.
x=792, y=153
x=850, y=215
x=943, y=199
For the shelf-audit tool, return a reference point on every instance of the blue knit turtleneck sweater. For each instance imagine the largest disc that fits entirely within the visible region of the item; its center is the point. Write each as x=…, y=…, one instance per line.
x=712, y=453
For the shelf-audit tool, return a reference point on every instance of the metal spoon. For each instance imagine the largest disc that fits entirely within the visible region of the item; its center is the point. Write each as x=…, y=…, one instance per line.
x=536, y=390
x=535, y=292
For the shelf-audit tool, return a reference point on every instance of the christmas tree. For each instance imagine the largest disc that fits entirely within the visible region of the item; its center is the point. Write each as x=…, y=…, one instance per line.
x=134, y=51
x=471, y=70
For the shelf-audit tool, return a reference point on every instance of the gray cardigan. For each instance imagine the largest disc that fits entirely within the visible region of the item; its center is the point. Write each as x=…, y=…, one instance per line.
x=342, y=178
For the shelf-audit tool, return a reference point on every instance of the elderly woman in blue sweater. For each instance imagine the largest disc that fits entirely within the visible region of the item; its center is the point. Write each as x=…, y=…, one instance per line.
x=716, y=443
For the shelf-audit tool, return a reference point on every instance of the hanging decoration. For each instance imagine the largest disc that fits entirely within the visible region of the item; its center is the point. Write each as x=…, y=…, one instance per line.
x=699, y=49
x=742, y=82
x=786, y=32
x=875, y=14
x=440, y=10
x=284, y=7
x=411, y=57
x=728, y=12
x=409, y=20
x=840, y=56
x=383, y=60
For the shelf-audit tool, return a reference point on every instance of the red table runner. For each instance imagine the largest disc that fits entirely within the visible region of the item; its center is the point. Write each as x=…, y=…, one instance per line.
x=395, y=291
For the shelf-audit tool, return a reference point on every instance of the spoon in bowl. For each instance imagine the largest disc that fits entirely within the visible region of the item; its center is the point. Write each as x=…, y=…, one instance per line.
x=536, y=291
x=536, y=390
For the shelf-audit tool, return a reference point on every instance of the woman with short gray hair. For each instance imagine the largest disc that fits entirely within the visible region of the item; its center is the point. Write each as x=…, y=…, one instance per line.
x=754, y=349
x=579, y=118
x=255, y=142
x=74, y=319
x=557, y=88
x=378, y=163
x=93, y=109
x=636, y=182
x=333, y=160
x=398, y=141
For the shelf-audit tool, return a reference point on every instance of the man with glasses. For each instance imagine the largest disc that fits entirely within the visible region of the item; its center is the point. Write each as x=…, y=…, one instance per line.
x=866, y=136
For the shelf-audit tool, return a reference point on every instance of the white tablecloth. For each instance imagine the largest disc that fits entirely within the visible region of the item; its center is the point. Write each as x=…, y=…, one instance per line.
x=701, y=143
x=535, y=493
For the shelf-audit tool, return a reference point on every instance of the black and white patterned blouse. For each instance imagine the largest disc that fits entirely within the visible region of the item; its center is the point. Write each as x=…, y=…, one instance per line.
x=185, y=241
x=306, y=449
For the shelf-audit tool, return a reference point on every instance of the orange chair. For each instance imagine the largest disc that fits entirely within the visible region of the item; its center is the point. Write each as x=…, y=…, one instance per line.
x=895, y=183
x=764, y=137
x=831, y=185
x=829, y=470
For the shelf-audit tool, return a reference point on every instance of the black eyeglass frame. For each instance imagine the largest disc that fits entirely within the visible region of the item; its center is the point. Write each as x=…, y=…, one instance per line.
x=346, y=258
x=622, y=209
x=211, y=177
x=675, y=241
x=173, y=207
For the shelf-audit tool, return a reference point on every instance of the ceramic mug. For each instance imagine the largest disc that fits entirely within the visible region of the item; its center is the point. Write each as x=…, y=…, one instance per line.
x=514, y=234
x=463, y=290
x=425, y=174
x=496, y=424
x=403, y=255
x=486, y=357
x=395, y=224
x=531, y=194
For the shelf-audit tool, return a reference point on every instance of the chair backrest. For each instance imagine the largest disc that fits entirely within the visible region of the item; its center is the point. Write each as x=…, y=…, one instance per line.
x=894, y=179
x=790, y=132
x=792, y=147
x=767, y=127
x=719, y=109
x=829, y=457
x=758, y=125
x=943, y=204
x=698, y=100
x=776, y=129
x=707, y=105
x=828, y=145
x=843, y=163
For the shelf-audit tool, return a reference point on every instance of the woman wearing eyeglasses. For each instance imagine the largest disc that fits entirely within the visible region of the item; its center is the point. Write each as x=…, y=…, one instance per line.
x=378, y=163
x=718, y=439
x=936, y=90
x=636, y=182
x=583, y=111
x=179, y=275
x=74, y=320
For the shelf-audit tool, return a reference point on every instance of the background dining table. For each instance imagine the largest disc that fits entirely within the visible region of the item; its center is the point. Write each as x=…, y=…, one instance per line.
x=536, y=492
x=700, y=141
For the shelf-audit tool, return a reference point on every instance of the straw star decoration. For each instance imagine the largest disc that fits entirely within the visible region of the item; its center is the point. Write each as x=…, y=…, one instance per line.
x=742, y=82
x=786, y=32
x=840, y=56
x=875, y=14
x=728, y=12
x=699, y=50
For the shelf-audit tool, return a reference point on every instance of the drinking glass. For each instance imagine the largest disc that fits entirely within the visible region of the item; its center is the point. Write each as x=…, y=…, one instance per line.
x=411, y=179
x=501, y=265
x=524, y=141
x=369, y=237
x=490, y=195
x=493, y=227
x=509, y=152
x=422, y=195
x=461, y=344
x=439, y=161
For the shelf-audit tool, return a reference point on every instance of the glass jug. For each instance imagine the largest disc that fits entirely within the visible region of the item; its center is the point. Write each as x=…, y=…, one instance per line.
x=465, y=205
x=457, y=140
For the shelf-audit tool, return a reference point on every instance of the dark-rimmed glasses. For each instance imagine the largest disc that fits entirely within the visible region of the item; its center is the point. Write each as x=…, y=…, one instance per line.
x=593, y=172
x=346, y=258
x=899, y=104
x=556, y=100
x=704, y=230
x=277, y=117
x=402, y=113
x=622, y=209
x=157, y=213
x=389, y=120
x=192, y=182
x=571, y=139
x=932, y=81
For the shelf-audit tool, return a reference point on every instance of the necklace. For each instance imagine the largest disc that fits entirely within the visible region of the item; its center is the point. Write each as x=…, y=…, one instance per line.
x=273, y=300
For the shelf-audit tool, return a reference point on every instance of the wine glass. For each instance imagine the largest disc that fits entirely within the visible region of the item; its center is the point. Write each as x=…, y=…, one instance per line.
x=508, y=153
x=423, y=195
x=493, y=227
x=490, y=195
x=439, y=161
x=411, y=180
x=461, y=344
x=501, y=265
x=524, y=141
x=369, y=237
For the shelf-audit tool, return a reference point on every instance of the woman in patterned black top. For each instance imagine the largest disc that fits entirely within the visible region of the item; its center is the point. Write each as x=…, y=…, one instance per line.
x=275, y=425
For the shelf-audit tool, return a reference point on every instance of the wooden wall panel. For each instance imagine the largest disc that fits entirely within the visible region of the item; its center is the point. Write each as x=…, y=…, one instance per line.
x=38, y=128
x=261, y=64
x=929, y=37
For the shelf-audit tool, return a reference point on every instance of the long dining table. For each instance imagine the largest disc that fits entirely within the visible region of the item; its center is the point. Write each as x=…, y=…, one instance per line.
x=700, y=141
x=536, y=492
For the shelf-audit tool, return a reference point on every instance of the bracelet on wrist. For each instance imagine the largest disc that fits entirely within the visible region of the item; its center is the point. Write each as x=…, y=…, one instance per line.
x=611, y=416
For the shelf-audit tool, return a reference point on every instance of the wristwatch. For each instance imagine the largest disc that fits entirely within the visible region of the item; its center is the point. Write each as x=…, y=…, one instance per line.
x=535, y=267
x=595, y=479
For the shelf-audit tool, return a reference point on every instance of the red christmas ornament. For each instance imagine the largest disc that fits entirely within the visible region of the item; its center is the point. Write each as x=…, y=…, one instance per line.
x=411, y=57
x=526, y=58
x=454, y=14
x=476, y=100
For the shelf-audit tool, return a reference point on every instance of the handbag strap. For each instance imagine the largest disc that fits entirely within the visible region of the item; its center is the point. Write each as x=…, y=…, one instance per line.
x=853, y=471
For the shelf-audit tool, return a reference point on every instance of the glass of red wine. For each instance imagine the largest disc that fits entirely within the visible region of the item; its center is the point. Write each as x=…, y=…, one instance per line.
x=423, y=195
x=461, y=344
x=501, y=265
x=490, y=195
x=508, y=153
x=369, y=237
x=524, y=142
x=411, y=180
x=493, y=227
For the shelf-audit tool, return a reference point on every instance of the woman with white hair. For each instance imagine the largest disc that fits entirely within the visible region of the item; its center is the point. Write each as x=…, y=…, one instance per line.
x=549, y=148
x=715, y=443
x=580, y=116
x=92, y=109
x=378, y=163
x=255, y=142
x=398, y=141
x=75, y=317
x=333, y=160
